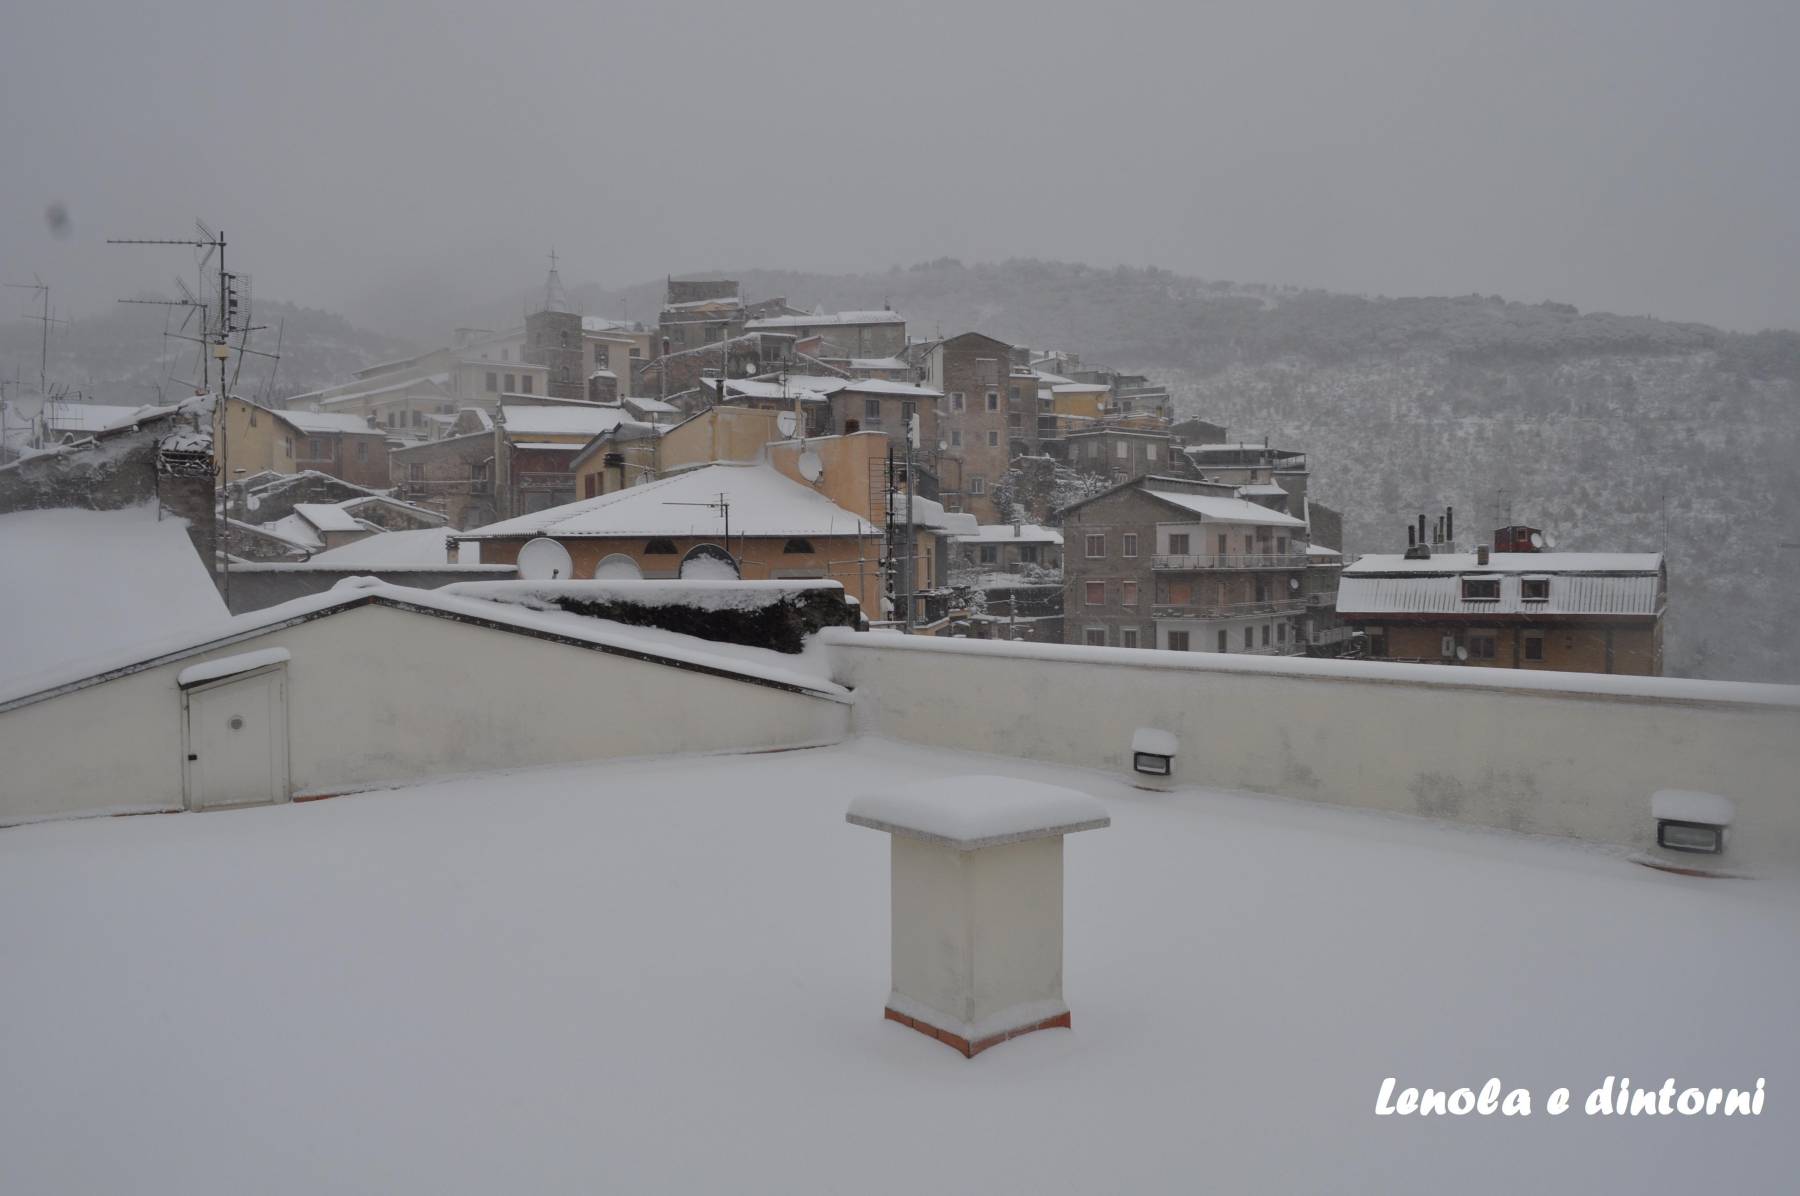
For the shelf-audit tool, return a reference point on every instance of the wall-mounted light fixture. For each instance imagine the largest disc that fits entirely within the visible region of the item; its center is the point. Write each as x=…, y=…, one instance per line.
x=1689, y=821
x=1153, y=756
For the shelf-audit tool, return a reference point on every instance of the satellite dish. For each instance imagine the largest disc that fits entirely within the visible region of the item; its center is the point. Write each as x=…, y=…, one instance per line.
x=1537, y=540
x=254, y=502
x=708, y=562
x=1462, y=653
x=1549, y=541
x=617, y=566
x=812, y=467
x=784, y=423
x=1293, y=583
x=544, y=559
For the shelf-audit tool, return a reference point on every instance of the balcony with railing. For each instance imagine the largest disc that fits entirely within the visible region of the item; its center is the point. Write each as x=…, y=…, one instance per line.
x=1230, y=560
x=1228, y=610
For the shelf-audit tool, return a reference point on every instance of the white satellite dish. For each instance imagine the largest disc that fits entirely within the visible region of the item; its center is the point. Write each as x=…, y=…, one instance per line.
x=1293, y=583
x=254, y=502
x=784, y=423
x=812, y=467
x=1549, y=541
x=617, y=566
x=1462, y=653
x=544, y=559
x=1537, y=540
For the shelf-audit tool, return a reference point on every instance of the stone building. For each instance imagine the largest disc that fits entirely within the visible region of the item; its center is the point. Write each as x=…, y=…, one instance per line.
x=974, y=374
x=1173, y=563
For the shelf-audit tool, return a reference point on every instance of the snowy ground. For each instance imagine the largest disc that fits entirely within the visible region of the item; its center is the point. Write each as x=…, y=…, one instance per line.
x=78, y=585
x=668, y=976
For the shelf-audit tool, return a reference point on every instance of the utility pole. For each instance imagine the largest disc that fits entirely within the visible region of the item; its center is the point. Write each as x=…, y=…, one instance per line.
x=217, y=341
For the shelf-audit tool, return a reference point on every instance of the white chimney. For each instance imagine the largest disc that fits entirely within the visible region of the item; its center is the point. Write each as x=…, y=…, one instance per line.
x=977, y=901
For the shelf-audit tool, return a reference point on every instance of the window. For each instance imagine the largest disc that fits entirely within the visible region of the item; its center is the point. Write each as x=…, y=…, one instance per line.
x=1028, y=553
x=1096, y=545
x=525, y=384
x=1015, y=420
x=1481, y=589
x=252, y=417
x=601, y=358
x=1224, y=646
x=797, y=546
x=1481, y=645
x=1281, y=633
x=362, y=450
x=1378, y=641
x=993, y=440
x=659, y=548
x=1094, y=637
x=1128, y=544
x=1265, y=630
x=977, y=484
x=287, y=445
x=993, y=400
x=565, y=338
x=636, y=352
x=1249, y=545
x=955, y=437
x=512, y=384
x=1128, y=637
x=1128, y=593
x=1150, y=451
x=990, y=554
x=1249, y=637
x=1281, y=545
x=415, y=418
x=1012, y=394
x=1534, y=589
x=956, y=400
x=506, y=355
x=493, y=381
x=1096, y=593
x=415, y=472
x=590, y=486
x=1178, y=641
x=1534, y=645
x=1178, y=544
x=1224, y=545
x=318, y=448
x=872, y=408
x=1122, y=450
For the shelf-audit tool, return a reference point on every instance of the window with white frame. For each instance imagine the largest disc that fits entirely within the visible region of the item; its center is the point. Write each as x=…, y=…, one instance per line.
x=1096, y=545
x=1128, y=637
x=1128, y=544
x=977, y=484
x=956, y=400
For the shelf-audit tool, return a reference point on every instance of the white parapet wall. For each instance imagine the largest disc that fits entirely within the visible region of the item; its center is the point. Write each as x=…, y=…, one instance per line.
x=378, y=694
x=1549, y=753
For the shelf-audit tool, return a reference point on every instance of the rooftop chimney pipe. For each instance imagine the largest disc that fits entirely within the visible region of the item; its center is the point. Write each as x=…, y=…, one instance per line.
x=1450, y=524
x=1421, y=527
x=1410, y=539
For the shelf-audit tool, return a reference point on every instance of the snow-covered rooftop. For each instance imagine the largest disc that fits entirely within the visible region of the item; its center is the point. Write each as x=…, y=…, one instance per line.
x=879, y=386
x=762, y=503
x=1227, y=510
x=319, y=423
x=667, y=975
x=79, y=584
x=528, y=420
x=328, y=517
x=64, y=417
x=1015, y=533
x=809, y=387
x=1510, y=562
x=423, y=546
x=828, y=319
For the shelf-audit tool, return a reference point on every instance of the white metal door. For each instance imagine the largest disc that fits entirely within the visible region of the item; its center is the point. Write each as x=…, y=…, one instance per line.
x=237, y=741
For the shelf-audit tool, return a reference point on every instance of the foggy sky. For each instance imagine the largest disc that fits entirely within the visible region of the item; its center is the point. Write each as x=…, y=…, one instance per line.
x=1630, y=155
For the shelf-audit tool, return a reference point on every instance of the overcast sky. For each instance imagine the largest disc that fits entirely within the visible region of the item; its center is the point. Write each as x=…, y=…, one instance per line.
x=1631, y=155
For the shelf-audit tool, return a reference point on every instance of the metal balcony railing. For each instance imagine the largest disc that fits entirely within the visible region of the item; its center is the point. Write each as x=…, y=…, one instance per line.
x=1228, y=610
x=1269, y=560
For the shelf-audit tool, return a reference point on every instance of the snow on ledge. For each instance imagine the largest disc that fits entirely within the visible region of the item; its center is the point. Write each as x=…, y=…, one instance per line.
x=1605, y=685
x=704, y=595
x=231, y=666
x=1686, y=805
x=975, y=811
x=1153, y=742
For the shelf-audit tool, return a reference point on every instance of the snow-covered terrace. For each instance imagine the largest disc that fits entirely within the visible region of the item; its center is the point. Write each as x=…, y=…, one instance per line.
x=668, y=976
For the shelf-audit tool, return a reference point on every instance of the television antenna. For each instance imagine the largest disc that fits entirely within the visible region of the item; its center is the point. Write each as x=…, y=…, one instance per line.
x=720, y=504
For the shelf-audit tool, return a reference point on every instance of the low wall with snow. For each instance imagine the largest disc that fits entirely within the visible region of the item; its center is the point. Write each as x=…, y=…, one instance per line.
x=377, y=694
x=1559, y=754
x=266, y=584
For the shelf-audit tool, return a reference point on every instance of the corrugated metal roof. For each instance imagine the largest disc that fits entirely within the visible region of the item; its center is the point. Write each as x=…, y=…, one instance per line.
x=1569, y=595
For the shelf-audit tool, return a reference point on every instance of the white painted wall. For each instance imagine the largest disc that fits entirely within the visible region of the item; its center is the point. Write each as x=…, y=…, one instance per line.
x=977, y=935
x=1560, y=754
x=380, y=695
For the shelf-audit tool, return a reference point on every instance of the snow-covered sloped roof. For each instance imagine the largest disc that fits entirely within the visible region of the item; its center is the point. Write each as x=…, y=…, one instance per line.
x=63, y=417
x=805, y=387
x=762, y=501
x=1511, y=562
x=527, y=420
x=878, y=386
x=319, y=423
x=328, y=517
x=422, y=546
x=1569, y=594
x=1226, y=510
x=1015, y=533
x=931, y=513
x=75, y=584
x=879, y=363
x=1264, y=488
x=828, y=319
x=648, y=406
